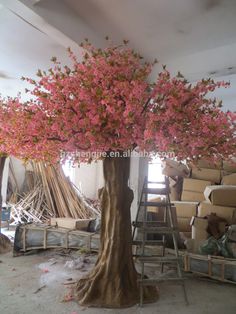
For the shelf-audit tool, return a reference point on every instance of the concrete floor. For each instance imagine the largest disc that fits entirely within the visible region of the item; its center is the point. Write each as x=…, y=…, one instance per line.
x=21, y=277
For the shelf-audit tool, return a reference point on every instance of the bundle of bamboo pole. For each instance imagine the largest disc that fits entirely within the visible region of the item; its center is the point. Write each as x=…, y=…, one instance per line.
x=52, y=196
x=32, y=207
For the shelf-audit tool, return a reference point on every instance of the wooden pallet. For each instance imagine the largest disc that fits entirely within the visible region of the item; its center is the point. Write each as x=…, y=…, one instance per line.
x=214, y=267
x=34, y=237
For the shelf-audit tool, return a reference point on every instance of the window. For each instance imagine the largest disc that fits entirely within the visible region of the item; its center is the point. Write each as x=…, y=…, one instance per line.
x=155, y=171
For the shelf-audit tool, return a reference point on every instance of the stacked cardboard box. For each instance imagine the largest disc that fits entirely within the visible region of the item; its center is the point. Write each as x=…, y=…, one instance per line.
x=172, y=168
x=228, y=213
x=199, y=224
x=175, y=185
x=203, y=188
x=219, y=200
x=229, y=179
x=213, y=175
x=221, y=195
x=203, y=175
x=193, y=189
x=199, y=233
x=206, y=170
x=184, y=212
x=205, y=164
x=229, y=167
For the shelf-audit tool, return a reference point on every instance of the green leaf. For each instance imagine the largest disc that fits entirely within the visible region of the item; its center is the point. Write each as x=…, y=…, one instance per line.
x=179, y=75
x=54, y=59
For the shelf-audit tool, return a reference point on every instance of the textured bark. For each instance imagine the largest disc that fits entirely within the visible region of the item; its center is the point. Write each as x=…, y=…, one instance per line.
x=2, y=163
x=113, y=281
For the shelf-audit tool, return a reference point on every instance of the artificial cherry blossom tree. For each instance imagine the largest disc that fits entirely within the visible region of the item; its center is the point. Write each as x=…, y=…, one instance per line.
x=106, y=104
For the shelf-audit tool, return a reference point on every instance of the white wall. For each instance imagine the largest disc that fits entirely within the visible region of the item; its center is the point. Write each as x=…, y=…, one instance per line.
x=89, y=178
x=19, y=171
x=138, y=171
x=5, y=181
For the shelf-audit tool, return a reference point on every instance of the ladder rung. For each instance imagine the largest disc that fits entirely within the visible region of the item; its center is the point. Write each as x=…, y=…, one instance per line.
x=139, y=255
x=158, y=259
x=161, y=191
x=147, y=242
x=158, y=229
x=154, y=282
x=155, y=204
x=156, y=224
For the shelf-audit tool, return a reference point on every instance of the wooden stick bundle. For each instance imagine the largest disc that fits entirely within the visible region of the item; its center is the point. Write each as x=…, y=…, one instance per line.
x=52, y=196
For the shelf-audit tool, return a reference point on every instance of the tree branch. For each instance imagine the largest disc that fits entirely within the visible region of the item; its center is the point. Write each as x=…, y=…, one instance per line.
x=54, y=138
x=73, y=110
x=146, y=104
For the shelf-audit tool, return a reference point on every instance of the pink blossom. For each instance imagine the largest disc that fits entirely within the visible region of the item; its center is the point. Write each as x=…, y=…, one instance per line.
x=107, y=103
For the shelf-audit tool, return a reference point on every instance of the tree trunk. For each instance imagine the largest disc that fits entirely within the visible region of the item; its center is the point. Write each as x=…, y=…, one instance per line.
x=2, y=163
x=113, y=281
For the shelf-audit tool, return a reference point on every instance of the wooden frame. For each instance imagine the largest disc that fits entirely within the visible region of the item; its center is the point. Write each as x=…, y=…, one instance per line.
x=87, y=240
x=224, y=265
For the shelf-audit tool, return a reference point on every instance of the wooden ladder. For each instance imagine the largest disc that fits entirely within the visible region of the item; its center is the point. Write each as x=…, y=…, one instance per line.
x=163, y=228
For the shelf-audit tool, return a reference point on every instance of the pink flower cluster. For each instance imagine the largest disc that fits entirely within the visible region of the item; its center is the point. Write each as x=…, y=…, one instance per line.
x=106, y=103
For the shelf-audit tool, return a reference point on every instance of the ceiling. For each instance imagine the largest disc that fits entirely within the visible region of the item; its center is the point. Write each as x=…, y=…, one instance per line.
x=197, y=37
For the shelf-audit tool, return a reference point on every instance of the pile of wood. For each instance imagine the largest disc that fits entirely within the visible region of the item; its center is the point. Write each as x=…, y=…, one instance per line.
x=13, y=190
x=32, y=207
x=51, y=194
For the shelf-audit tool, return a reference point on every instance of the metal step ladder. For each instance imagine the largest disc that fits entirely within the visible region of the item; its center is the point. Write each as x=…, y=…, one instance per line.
x=162, y=228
